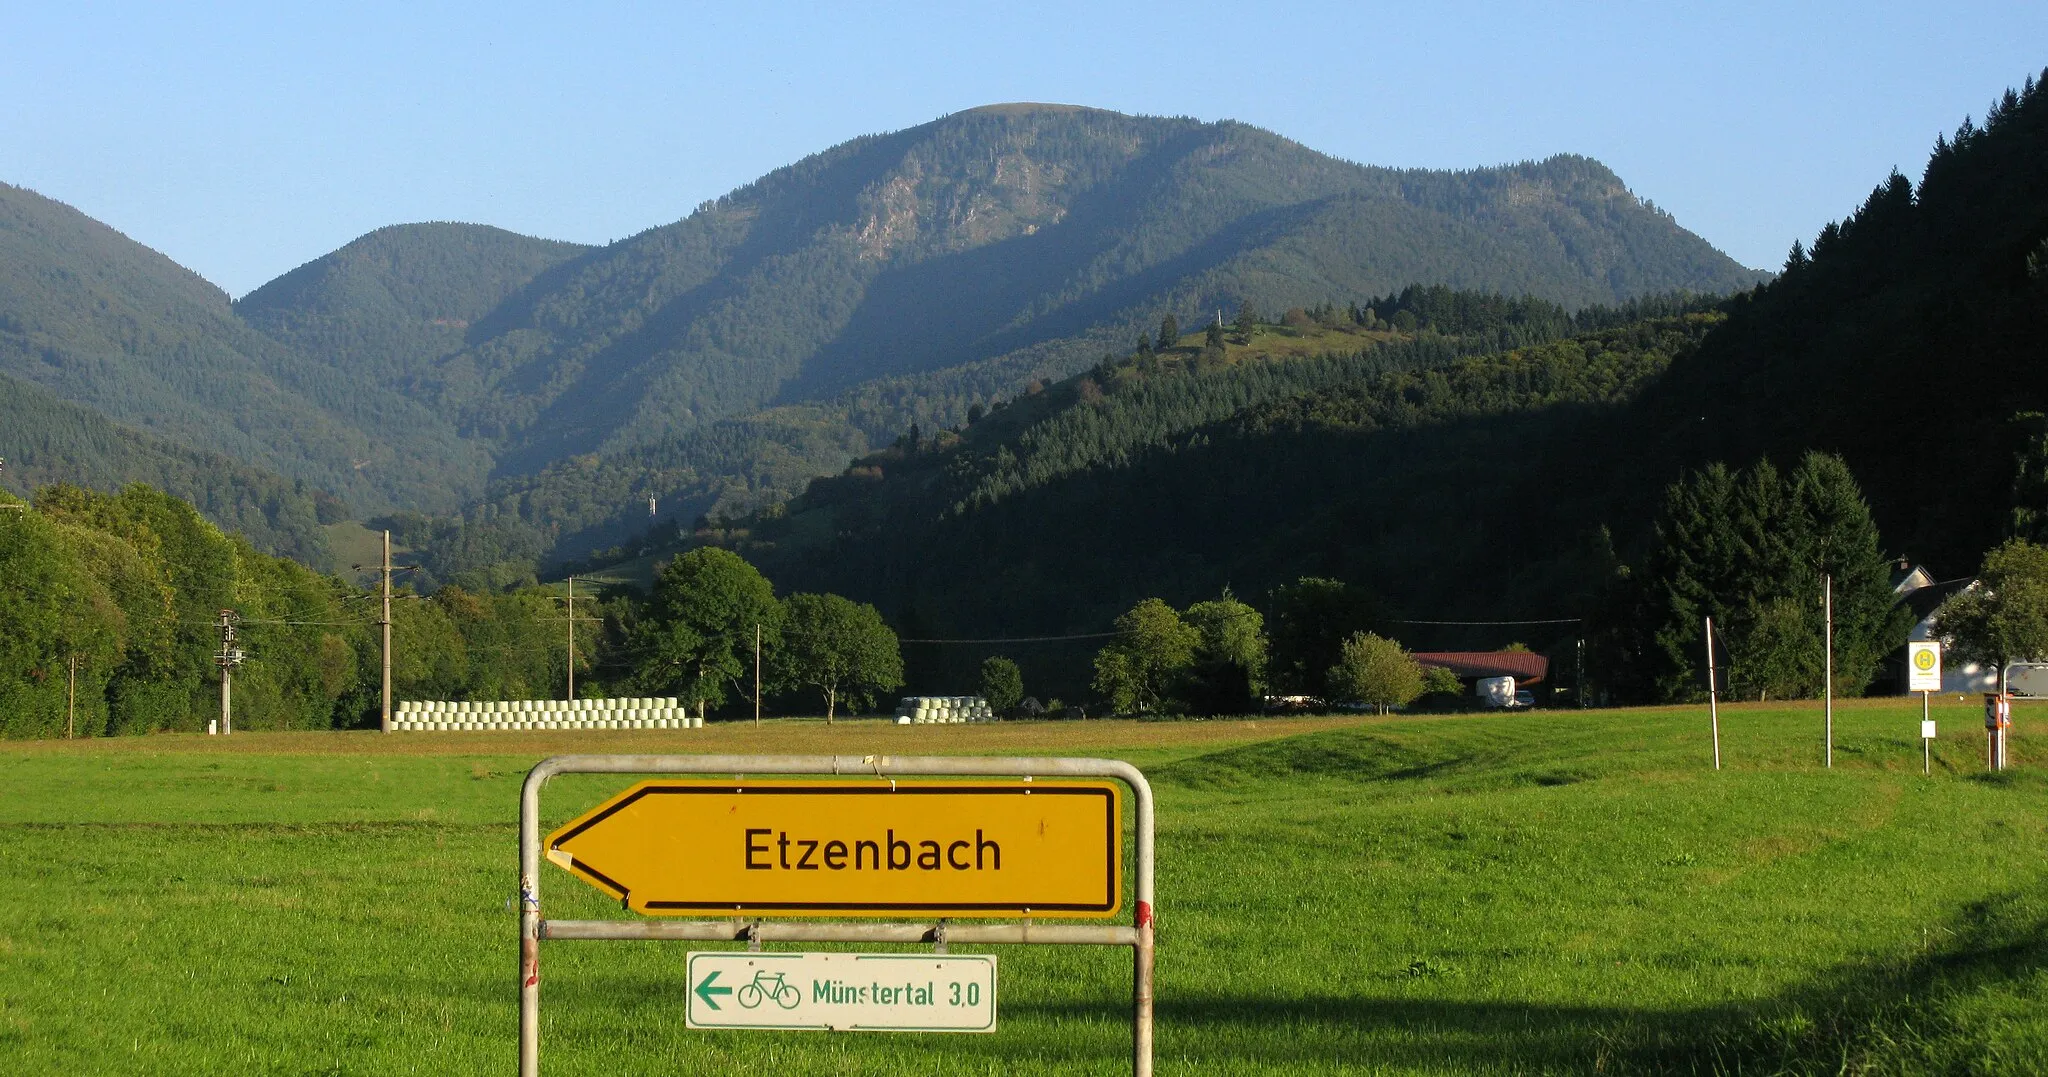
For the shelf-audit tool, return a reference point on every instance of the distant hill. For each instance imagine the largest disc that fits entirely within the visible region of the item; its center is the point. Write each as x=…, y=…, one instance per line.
x=391, y=303
x=101, y=320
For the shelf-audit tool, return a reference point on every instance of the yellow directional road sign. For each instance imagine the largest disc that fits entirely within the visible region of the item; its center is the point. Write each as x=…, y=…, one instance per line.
x=853, y=848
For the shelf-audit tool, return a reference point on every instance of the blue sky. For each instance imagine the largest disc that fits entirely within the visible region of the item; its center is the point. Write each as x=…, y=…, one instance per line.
x=245, y=139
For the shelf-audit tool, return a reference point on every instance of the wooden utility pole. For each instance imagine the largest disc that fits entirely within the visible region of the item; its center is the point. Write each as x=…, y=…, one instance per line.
x=71, y=699
x=572, y=638
x=757, y=673
x=229, y=658
x=385, y=722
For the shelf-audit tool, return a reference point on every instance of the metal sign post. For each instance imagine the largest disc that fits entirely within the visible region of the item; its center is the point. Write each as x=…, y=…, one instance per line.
x=1923, y=675
x=862, y=798
x=1713, y=694
x=1827, y=656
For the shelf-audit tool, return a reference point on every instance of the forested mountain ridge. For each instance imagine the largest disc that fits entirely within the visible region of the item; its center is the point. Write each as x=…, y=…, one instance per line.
x=736, y=466
x=1908, y=340
x=1276, y=439
x=1033, y=237
x=47, y=440
x=1409, y=475
x=103, y=321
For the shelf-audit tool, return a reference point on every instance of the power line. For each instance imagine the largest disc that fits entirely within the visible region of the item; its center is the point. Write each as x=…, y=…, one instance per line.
x=1021, y=639
x=1551, y=621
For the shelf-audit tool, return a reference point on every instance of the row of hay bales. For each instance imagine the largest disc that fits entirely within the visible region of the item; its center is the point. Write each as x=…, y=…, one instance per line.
x=943, y=710
x=444, y=716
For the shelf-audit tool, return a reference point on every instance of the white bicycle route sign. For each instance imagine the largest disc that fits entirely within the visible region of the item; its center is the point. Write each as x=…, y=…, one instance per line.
x=842, y=992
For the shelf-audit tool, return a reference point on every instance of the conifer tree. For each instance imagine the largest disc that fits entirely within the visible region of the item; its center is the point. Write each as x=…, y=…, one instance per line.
x=1751, y=550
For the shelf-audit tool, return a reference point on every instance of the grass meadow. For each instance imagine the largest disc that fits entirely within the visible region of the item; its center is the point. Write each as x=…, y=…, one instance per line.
x=1544, y=892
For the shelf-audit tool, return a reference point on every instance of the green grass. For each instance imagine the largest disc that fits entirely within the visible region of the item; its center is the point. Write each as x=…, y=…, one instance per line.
x=1548, y=892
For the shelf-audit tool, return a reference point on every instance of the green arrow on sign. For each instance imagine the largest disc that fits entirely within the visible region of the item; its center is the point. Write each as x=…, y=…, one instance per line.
x=705, y=990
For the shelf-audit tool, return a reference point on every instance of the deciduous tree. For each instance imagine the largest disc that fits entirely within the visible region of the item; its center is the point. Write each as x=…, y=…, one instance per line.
x=1138, y=670
x=839, y=647
x=2004, y=618
x=1375, y=670
x=697, y=634
x=1002, y=684
x=1227, y=672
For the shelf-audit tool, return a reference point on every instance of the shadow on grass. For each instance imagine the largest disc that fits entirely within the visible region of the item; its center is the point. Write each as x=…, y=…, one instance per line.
x=1970, y=1002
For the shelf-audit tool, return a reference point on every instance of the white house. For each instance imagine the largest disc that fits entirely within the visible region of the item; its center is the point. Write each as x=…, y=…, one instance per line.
x=1918, y=589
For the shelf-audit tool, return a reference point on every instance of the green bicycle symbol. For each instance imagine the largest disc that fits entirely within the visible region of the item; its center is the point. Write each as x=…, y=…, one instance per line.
x=767, y=986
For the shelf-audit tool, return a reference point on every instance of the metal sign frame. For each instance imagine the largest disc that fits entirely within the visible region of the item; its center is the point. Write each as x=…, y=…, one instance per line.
x=533, y=928
x=2027, y=672
x=702, y=815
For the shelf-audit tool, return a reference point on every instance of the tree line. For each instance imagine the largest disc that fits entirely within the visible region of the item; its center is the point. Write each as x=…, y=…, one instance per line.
x=1221, y=657
x=111, y=622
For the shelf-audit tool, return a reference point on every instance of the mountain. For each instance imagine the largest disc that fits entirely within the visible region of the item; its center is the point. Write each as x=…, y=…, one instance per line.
x=546, y=389
x=907, y=277
x=1029, y=237
x=100, y=320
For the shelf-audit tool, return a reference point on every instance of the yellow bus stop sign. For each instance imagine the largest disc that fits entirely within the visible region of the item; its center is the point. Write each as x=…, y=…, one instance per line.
x=853, y=848
x=1923, y=666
